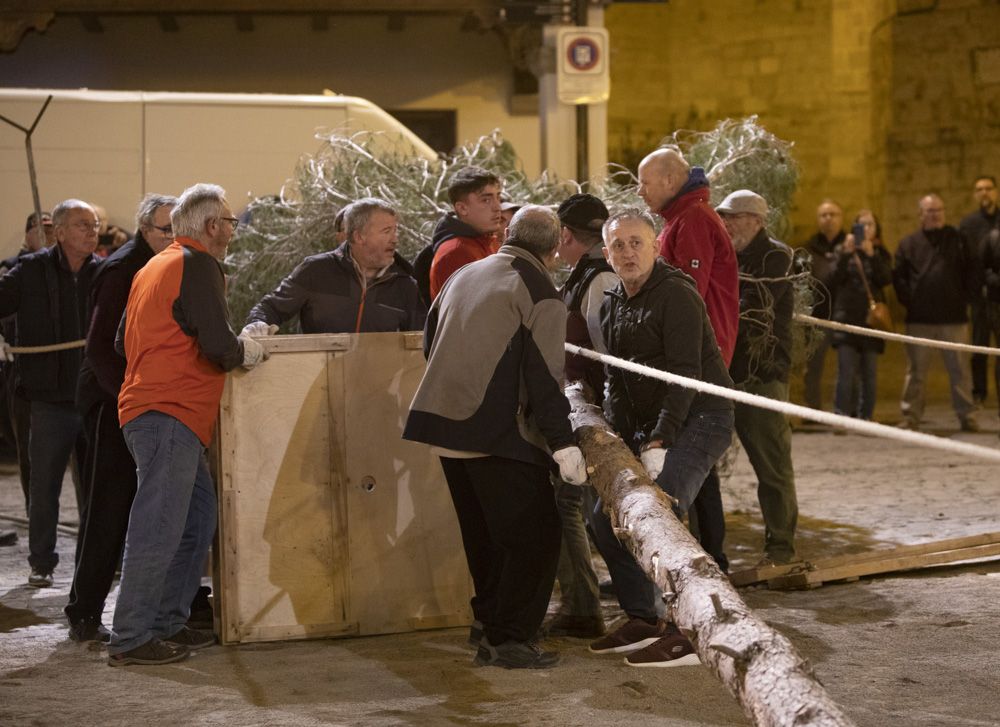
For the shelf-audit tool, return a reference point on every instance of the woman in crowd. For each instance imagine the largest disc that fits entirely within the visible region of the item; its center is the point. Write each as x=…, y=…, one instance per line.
x=863, y=268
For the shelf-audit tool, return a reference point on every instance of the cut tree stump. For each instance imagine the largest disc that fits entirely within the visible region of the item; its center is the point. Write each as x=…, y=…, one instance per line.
x=773, y=684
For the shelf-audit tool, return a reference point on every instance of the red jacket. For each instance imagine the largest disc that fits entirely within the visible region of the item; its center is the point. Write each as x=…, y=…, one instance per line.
x=695, y=240
x=177, y=341
x=458, y=252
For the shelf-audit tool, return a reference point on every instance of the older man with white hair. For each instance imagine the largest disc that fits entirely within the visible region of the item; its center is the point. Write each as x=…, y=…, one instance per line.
x=760, y=365
x=177, y=341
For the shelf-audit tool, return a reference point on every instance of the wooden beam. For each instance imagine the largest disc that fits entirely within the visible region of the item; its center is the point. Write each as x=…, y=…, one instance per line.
x=761, y=669
x=247, y=6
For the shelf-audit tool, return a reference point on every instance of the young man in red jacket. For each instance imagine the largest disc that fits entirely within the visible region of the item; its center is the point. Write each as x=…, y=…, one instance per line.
x=695, y=240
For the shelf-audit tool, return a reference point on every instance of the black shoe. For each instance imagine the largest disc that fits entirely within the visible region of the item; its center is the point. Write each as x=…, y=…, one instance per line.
x=152, y=653
x=8, y=537
x=191, y=638
x=577, y=627
x=89, y=630
x=475, y=634
x=202, y=616
x=40, y=578
x=514, y=655
x=607, y=588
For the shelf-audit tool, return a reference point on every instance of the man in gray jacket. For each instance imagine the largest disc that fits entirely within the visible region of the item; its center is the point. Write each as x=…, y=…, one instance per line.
x=491, y=404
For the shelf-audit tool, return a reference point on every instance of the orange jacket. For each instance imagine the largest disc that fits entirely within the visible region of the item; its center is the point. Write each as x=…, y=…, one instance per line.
x=177, y=340
x=458, y=252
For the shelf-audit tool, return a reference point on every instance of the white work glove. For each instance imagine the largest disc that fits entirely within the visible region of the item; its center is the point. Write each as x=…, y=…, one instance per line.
x=5, y=354
x=258, y=329
x=253, y=352
x=572, y=465
x=652, y=460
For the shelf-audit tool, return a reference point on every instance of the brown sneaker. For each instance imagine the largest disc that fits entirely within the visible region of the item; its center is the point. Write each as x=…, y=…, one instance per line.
x=635, y=634
x=672, y=650
x=152, y=653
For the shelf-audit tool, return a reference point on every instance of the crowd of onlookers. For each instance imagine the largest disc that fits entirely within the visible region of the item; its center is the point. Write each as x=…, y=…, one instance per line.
x=706, y=294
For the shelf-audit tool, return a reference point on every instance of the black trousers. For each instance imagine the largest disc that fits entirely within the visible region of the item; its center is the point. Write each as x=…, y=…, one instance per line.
x=511, y=533
x=19, y=411
x=710, y=519
x=109, y=473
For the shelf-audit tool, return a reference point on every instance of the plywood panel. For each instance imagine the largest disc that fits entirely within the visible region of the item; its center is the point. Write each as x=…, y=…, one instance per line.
x=408, y=568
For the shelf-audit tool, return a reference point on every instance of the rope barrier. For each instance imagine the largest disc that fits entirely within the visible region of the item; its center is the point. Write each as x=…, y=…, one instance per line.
x=902, y=337
x=64, y=346
x=836, y=420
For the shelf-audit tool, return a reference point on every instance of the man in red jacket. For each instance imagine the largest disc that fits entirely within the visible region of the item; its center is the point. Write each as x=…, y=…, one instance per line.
x=695, y=240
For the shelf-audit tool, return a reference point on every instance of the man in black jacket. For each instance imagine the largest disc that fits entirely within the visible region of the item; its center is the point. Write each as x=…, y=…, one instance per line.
x=982, y=235
x=363, y=286
x=49, y=291
x=109, y=470
x=934, y=280
x=656, y=317
x=760, y=365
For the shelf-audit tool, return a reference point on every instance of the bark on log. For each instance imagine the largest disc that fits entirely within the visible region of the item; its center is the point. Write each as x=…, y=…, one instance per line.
x=774, y=685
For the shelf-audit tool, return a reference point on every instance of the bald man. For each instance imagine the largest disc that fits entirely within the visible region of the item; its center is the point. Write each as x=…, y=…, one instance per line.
x=695, y=240
x=934, y=280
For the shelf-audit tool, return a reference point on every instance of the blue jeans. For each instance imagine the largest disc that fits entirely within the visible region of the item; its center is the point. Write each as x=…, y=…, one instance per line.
x=170, y=529
x=701, y=441
x=861, y=364
x=54, y=431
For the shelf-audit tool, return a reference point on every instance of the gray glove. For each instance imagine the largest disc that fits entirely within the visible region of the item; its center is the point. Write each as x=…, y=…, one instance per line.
x=253, y=352
x=5, y=354
x=258, y=329
x=652, y=460
x=572, y=465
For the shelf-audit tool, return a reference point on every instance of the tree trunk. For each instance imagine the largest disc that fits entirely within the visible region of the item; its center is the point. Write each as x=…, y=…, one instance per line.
x=760, y=667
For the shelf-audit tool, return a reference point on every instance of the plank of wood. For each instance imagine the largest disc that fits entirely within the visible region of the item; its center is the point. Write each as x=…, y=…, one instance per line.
x=306, y=343
x=758, y=575
x=888, y=565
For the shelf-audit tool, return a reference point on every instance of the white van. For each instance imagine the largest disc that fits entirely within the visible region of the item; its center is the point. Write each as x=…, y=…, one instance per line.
x=111, y=147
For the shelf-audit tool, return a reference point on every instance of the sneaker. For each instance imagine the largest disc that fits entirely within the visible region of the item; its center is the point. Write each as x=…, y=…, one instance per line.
x=202, y=616
x=475, y=634
x=514, y=655
x=672, y=650
x=152, y=653
x=969, y=424
x=192, y=639
x=89, y=630
x=577, y=627
x=8, y=537
x=635, y=634
x=607, y=588
x=40, y=578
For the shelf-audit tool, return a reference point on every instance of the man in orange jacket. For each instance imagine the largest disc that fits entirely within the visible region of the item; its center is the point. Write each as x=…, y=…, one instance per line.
x=178, y=345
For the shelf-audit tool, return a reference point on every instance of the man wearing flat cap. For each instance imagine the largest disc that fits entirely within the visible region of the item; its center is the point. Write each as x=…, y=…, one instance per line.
x=760, y=365
x=580, y=220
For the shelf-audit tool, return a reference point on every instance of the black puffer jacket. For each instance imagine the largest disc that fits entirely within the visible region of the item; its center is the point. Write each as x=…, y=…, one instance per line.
x=850, y=299
x=664, y=326
x=325, y=292
x=933, y=277
x=823, y=259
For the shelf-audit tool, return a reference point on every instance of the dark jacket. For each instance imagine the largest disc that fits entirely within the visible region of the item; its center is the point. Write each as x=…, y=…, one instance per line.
x=982, y=236
x=574, y=292
x=823, y=260
x=695, y=241
x=764, y=343
x=51, y=303
x=327, y=294
x=850, y=301
x=665, y=326
x=103, y=369
x=494, y=346
x=932, y=276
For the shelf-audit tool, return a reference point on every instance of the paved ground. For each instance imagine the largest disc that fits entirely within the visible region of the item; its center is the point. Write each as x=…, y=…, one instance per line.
x=915, y=649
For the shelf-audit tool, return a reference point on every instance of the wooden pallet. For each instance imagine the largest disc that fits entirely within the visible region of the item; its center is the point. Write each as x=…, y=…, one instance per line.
x=812, y=574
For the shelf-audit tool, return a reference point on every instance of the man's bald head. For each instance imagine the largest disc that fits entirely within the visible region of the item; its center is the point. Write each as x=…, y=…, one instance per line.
x=931, y=212
x=661, y=175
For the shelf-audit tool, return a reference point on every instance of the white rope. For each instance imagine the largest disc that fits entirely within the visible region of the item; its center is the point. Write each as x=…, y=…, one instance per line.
x=836, y=420
x=889, y=336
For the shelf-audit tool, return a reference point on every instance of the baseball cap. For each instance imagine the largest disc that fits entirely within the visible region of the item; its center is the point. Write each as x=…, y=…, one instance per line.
x=583, y=212
x=30, y=223
x=743, y=201
x=508, y=206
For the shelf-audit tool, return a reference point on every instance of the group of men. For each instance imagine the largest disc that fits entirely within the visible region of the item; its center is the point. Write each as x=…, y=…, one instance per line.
x=943, y=277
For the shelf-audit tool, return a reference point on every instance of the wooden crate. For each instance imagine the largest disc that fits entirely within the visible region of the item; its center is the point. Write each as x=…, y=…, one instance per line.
x=330, y=523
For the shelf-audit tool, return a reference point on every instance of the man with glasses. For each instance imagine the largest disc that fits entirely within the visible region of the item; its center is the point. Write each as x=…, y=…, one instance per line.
x=49, y=291
x=109, y=471
x=178, y=346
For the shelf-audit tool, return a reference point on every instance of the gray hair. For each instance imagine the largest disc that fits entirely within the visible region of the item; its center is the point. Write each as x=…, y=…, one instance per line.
x=358, y=213
x=63, y=209
x=195, y=207
x=629, y=214
x=534, y=228
x=148, y=206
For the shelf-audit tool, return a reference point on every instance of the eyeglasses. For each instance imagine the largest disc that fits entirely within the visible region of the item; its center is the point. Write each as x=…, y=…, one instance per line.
x=166, y=230
x=233, y=221
x=86, y=226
